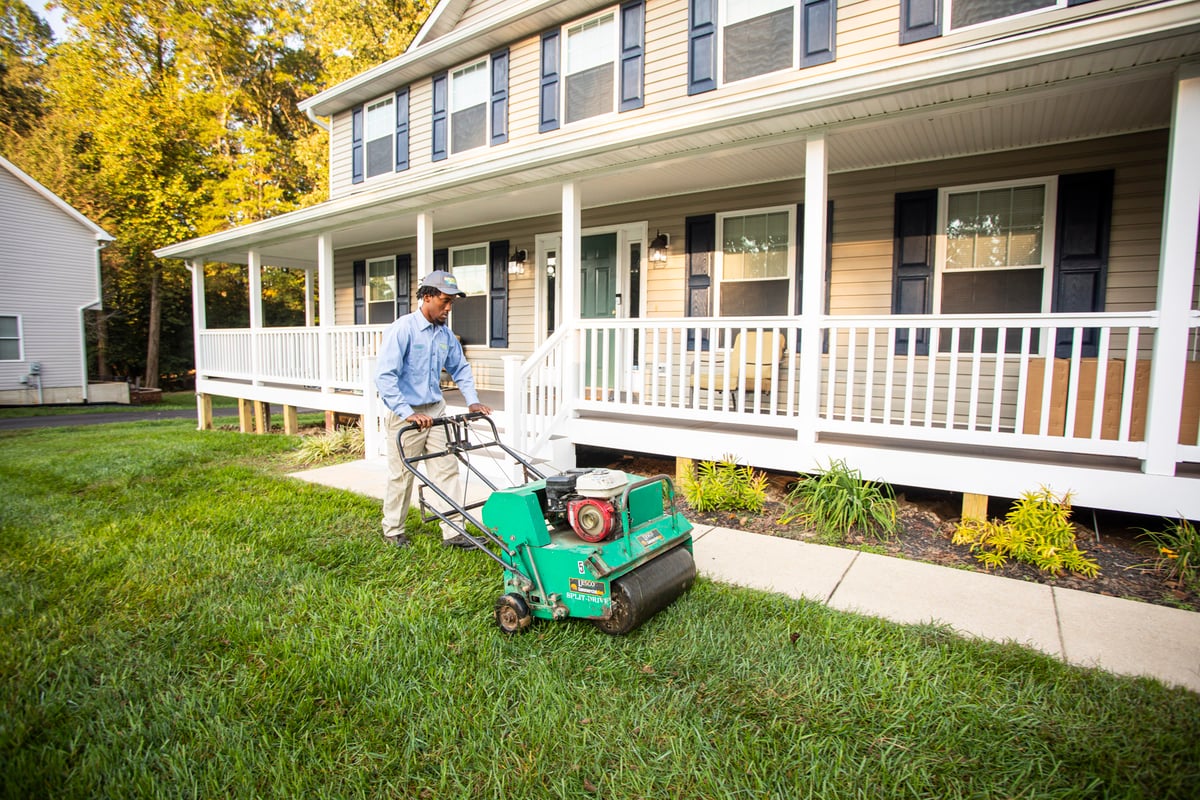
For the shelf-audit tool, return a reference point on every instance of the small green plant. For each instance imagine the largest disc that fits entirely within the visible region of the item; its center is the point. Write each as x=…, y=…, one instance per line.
x=725, y=485
x=341, y=443
x=1037, y=530
x=1177, y=552
x=837, y=499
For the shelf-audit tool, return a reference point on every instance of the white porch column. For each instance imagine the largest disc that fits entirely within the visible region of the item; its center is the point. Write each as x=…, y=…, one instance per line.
x=254, y=265
x=1181, y=219
x=816, y=199
x=424, y=244
x=310, y=313
x=325, y=316
x=568, y=259
x=199, y=325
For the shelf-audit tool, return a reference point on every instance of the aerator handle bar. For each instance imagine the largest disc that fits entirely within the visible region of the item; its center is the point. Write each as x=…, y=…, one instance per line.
x=458, y=443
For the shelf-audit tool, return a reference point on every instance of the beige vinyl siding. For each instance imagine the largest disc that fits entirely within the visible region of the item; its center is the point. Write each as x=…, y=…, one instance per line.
x=342, y=142
x=480, y=9
x=524, y=76
x=666, y=53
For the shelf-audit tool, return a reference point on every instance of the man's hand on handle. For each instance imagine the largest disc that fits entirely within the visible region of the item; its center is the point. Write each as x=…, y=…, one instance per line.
x=424, y=421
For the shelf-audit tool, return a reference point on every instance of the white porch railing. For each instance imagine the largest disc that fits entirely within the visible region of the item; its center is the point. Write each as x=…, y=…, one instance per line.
x=1018, y=381
x=290, y=356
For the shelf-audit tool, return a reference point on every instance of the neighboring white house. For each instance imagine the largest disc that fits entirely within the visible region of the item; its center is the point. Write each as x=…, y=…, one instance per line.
x=49, y=276
x=946, y=226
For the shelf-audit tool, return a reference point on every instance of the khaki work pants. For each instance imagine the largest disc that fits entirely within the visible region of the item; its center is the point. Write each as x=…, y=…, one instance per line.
x=443, y=472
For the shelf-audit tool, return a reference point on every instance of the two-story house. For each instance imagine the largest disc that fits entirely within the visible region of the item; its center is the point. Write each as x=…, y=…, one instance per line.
x=49, y=280
x=952, y=242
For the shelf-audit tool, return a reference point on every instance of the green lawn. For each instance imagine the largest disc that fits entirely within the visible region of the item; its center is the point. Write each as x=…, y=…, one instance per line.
x=178, y=619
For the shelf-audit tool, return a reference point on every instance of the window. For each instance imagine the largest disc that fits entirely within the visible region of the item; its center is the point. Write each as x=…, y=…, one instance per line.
x=758, y=37
x=926, y=19
x=468, y=318
x=469, y=107
x=381, y=290
x=755, y=255
x=994, y=255
x=965, y=13
x=381, y=128
x=742, y=39
x=994, y=251
x=590, y=68
x=10, y=338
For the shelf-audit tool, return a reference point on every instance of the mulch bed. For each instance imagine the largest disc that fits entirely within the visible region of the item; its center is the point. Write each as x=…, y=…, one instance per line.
x=928, y=520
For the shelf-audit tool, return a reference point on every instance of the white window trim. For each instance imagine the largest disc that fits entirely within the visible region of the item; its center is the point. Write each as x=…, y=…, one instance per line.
x=947, y=8
x=391, y=100
x=20, y=340
x=719, y=253
x=487, y=291
x=723, y=15
x=1049, y=227
x=614, y=12
x=487, y=100
x=391, y=262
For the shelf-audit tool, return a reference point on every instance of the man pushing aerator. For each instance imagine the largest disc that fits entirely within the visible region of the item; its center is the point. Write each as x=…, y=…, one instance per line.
x=415, y=350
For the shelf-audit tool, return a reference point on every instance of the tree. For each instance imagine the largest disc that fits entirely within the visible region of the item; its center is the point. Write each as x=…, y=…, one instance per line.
x=24, y=40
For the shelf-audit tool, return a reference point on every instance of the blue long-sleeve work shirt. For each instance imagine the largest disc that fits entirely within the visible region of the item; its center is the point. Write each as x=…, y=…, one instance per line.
x=411, y=358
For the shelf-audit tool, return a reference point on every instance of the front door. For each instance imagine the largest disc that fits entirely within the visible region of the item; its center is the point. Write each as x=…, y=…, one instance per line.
x=598, y=300
x=598, y=276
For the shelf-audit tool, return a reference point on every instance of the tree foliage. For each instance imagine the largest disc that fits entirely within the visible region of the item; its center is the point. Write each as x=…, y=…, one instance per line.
x=162, y=120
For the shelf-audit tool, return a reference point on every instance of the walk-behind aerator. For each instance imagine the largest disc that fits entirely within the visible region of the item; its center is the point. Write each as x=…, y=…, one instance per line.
x=595, y=544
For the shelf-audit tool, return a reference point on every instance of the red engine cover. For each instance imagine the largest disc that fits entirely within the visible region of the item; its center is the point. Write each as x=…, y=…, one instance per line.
x=593, y=520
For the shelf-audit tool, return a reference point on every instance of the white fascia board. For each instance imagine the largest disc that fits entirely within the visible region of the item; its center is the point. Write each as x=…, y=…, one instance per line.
x=448, y=11
x=63, y=205
x=728, y=110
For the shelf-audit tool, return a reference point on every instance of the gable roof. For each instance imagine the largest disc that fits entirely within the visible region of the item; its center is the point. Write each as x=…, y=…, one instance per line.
x=55, y=200
x=444, y=16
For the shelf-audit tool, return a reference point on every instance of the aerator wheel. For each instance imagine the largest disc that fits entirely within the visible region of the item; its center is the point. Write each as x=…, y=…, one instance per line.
x=512, y=613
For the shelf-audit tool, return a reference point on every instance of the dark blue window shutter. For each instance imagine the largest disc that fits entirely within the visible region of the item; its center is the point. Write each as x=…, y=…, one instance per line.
x=402, y=130
x=818, y=32
x=440, y=85
x=702, y=46
x=498, y=294
x=441, y=259
x=633, y=55
x=1081, y=251
x=356, y=146
x=700, y=241
x=912, y=260
x=548, y=119
x=919, y=20
x=360, y=292
x=500, y=97
x=403, y=285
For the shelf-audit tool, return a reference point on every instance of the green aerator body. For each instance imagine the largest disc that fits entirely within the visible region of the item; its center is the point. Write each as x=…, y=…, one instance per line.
x=615, y=560
x=594, y=544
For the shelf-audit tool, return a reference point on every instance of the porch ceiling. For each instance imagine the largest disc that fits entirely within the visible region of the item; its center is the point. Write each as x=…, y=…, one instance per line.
x=921, y=125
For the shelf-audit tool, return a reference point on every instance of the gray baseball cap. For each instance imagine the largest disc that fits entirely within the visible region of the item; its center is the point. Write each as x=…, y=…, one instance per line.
x=444, y=282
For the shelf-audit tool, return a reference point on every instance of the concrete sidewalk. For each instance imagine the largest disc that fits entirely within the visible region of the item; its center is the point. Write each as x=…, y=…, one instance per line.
x=1122, y=636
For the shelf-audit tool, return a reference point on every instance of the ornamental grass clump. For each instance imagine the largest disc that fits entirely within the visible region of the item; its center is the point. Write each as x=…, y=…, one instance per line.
x=1037, y=530
x=725, y=485
x=837, y=499
x=1177, y=552
x=340, y=444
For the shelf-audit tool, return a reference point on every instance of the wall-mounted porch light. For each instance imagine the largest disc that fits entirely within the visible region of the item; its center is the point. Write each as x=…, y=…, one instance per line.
x=551, y=265
x=658, y=248
x=516, y=262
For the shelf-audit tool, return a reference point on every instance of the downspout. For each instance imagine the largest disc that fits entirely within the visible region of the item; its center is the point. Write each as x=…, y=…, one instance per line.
x=98, y=303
